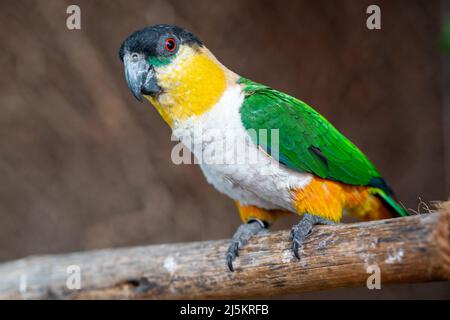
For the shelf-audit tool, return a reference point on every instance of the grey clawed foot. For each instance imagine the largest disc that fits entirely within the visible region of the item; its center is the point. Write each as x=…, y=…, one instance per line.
x=241, y=237
x=300, y=231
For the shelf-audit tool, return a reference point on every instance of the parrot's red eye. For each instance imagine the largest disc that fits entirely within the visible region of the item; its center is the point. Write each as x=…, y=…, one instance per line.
x=170, y=44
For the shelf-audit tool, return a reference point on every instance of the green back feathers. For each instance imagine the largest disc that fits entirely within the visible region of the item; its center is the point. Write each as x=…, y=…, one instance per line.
x=307, y=142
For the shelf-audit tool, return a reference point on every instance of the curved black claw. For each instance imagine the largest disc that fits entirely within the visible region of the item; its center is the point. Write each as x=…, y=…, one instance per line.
x=233, y=251
x=301, y=231
x=241, y=237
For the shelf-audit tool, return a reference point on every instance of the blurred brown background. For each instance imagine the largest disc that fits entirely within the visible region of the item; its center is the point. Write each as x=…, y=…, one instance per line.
x=83, y=165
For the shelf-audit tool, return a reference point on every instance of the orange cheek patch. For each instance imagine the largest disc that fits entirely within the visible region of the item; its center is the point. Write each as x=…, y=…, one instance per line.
x=193, y=83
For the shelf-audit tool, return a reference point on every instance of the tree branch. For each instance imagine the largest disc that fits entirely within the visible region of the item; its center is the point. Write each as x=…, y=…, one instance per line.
x=412, y=249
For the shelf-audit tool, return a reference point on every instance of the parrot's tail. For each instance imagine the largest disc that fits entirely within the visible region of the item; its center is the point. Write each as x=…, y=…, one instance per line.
x=389, y=202
x=327, y=199
x=375, y=204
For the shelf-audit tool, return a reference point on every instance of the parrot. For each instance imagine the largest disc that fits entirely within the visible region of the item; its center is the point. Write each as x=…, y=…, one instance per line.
x=296, y=163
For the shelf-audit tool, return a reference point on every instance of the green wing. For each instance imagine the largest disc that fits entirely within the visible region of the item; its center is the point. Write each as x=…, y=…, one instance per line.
x=307, y=141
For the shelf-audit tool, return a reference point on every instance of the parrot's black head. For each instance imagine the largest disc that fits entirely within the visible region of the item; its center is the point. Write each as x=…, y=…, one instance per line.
x=156, y=41
x=150, y=48
x=171, y=68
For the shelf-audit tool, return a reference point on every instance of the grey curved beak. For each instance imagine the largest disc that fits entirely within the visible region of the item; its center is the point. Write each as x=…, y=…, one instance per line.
x=140, y=76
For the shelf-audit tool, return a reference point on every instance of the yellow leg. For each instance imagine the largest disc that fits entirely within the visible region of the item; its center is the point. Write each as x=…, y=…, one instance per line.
x=267, y=216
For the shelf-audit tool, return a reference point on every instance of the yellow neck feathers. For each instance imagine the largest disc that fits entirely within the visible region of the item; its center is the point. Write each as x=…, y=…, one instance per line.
x=192, y=84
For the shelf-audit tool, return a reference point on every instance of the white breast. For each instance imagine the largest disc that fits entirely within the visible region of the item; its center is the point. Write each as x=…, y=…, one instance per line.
x=232, y=162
